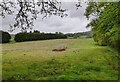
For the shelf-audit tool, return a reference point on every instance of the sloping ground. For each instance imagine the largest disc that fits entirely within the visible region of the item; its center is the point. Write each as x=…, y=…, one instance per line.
x=82, y=60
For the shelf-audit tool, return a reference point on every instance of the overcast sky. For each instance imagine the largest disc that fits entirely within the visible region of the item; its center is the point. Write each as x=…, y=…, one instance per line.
x=74, y=22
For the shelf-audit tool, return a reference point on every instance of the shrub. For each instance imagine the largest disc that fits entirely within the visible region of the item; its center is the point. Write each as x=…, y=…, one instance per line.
x=4, y=37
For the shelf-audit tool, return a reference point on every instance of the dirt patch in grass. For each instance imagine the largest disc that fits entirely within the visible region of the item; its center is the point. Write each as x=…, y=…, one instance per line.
x=60, y=48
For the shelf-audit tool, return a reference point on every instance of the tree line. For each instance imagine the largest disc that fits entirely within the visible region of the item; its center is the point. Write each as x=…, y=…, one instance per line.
x=79, y=34
x=37, y=35
x=31, y=36
x=20, y=37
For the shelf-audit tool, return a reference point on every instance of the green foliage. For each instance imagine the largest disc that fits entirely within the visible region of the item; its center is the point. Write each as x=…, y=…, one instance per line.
x=5, y=37
x=20, y=37
x=79, y=34
x=105, y=28
x=95, y=9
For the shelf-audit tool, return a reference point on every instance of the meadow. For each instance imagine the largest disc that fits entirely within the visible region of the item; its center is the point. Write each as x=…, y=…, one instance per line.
x=83, y=59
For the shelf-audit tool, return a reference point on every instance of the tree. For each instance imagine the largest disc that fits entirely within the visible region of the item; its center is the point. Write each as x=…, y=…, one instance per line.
x=27, y=11
x=20, y=37
x=5, y=37
x=105, y=27
x=36, y=31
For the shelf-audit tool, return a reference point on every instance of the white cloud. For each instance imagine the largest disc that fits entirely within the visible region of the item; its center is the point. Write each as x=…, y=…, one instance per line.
x=75, y=22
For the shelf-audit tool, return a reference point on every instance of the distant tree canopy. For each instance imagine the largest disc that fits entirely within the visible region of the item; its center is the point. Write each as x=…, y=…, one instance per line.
x=79, y=34
x=36, y=31
x=4, y=37
x=20, y=37
x=106, y=25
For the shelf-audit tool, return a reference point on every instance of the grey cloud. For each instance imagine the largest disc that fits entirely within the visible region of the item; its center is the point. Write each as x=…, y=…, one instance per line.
x=75, y=22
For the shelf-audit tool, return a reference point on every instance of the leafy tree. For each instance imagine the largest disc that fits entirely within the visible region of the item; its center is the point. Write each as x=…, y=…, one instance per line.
x=27, y=11
x=20, y=37
x=4, y=37
x=105, y=27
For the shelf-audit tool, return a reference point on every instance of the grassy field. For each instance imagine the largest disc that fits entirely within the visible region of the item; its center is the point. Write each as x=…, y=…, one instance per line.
x=82, y=60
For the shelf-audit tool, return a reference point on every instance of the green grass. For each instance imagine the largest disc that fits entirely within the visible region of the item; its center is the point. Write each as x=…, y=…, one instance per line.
x=12, y=39
x=83, y=60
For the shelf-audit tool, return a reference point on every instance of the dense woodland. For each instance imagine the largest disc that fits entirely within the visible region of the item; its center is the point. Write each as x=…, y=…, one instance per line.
x=20, y=37
x=37, y=35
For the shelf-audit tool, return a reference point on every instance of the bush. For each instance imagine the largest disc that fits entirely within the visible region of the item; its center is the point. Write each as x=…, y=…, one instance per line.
x=4, y=37
x=20, y=37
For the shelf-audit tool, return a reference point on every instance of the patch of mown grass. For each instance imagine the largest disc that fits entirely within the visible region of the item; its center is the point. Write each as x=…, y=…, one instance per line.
x=83, y=60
